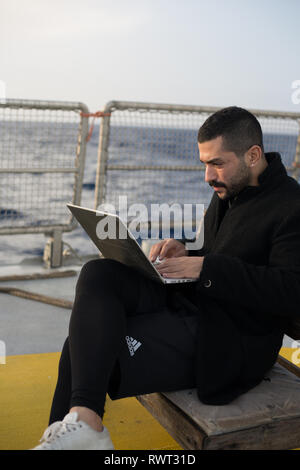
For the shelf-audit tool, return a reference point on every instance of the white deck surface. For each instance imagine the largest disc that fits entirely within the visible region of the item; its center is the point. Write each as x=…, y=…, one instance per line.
x=28, y=326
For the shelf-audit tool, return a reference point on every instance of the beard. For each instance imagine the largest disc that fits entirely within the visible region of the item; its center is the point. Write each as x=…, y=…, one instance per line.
x=235, y=184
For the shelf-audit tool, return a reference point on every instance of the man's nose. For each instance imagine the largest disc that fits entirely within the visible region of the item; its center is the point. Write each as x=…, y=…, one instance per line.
x=210, y=174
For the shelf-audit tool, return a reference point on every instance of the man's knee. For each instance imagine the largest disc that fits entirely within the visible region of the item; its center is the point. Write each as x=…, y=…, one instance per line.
x=99, y=265
x=98, y=271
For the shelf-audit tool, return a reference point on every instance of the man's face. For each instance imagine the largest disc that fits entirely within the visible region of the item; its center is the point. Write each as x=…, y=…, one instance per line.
x=225, y=172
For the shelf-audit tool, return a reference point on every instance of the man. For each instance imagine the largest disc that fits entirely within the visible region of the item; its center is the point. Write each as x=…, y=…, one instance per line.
x=249, y=266
x=220, y=334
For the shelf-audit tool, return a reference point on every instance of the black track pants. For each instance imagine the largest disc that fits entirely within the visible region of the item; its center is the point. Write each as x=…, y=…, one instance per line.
x=125, y=339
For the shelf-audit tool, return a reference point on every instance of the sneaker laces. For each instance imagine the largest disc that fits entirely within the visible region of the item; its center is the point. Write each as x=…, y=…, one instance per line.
x=58, y=429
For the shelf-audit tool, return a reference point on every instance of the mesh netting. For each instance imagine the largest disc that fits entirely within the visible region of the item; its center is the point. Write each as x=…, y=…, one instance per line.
x=152, y=155
x=39, y=165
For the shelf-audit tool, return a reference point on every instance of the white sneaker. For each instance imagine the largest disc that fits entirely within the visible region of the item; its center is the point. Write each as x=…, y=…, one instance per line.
x=71, y=434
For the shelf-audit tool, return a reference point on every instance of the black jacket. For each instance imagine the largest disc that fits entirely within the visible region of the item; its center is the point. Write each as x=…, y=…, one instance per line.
x=249, y=287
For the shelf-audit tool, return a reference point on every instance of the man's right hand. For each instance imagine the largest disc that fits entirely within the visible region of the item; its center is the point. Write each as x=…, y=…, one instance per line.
x=168, y=248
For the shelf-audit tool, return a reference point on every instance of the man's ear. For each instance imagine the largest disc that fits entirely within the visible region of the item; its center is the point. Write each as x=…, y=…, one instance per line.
x=253, y=155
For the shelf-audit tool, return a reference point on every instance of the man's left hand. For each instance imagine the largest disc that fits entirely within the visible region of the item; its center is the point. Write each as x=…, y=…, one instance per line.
x=182, y=267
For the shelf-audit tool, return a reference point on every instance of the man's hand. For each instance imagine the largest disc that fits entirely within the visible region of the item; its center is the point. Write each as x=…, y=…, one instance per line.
x=183, y=267
x=168, y=248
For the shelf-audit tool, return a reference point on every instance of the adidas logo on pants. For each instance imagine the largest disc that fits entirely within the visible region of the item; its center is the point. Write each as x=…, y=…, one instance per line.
x=133, y=345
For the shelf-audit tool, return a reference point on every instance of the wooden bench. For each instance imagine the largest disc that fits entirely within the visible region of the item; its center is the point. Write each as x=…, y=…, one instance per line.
x=266, y=417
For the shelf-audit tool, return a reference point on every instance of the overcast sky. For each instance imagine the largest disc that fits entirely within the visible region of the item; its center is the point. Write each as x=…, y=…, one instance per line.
x=200, y=52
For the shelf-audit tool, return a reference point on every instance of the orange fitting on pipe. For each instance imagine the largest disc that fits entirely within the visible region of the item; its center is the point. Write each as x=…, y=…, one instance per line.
x=98, y=114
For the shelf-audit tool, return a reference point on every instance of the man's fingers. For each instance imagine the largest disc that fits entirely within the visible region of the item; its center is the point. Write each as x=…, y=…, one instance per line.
x=170, y=269
x=169, y=265
x=160, y=249
x=166, y=250
x=181, y=267
x=155, y=251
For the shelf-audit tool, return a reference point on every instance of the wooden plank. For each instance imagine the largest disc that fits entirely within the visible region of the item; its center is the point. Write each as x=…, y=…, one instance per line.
x=38, y=297
x=35, y=276
x=282, y=434
x=179, y=425
x=289, y=366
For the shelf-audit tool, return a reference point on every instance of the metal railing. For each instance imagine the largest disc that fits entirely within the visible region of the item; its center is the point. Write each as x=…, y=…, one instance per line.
x=42, y=158
x=148, y=151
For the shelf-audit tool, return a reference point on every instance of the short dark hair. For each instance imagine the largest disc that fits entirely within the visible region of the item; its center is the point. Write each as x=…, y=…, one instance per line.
x=239, y=128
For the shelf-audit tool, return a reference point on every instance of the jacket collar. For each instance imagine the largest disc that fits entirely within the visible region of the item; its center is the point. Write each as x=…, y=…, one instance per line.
x=274, y=171
x=270, y=177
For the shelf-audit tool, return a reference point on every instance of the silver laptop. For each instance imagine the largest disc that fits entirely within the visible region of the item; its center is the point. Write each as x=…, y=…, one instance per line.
x=123, y=248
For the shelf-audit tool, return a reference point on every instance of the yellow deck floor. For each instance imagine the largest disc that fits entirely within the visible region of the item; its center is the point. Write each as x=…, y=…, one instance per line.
x=27, y=384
